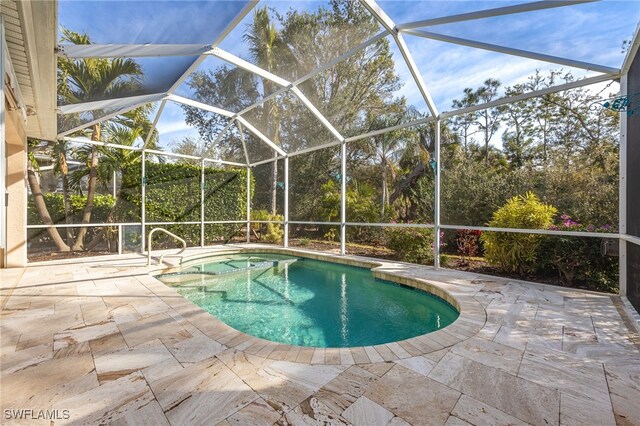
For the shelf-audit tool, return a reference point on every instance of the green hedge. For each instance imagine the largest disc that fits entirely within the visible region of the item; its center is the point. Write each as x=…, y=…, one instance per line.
x=102, y=205
x=173, y=195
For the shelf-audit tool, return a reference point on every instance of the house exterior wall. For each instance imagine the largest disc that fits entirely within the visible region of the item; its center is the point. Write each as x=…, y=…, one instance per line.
x=16, y=213
x=633, y=187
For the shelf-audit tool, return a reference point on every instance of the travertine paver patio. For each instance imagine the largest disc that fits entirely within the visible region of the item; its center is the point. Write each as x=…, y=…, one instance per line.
x=108, y=342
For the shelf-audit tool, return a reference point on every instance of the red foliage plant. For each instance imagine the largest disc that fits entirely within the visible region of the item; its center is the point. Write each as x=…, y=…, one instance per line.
x=468, y=242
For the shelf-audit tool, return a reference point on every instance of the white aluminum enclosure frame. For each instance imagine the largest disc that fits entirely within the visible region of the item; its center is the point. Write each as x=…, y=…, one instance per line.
x=396, y=32
x=622, y=209
x=3, y=154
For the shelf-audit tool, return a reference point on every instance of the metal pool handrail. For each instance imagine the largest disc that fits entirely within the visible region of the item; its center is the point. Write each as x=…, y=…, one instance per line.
x=184, y=244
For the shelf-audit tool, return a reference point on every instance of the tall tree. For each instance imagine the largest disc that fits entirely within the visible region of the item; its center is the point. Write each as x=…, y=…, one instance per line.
x=87, y=80
x=488, y=119
x=350, y=94
x=464, y=124
x=267, y=47
x=61, y=167
x=38, y=198
x=386, y=150
x=517, y=141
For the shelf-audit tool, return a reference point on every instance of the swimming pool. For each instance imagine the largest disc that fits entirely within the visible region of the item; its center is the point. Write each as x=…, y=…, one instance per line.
x=307, y=302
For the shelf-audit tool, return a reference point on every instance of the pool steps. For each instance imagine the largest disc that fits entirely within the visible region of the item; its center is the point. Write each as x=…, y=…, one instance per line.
x=258, y=265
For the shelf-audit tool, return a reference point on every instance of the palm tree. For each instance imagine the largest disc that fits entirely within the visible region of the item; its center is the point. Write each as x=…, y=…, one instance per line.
x=88, y=80
x=113, y=162
x=80, y=81
x=387, y=148
x=267, y=47
x=32, y=178
x=61, y=167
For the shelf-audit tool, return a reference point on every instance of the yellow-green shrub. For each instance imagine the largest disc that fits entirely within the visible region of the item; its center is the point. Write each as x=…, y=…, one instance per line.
x=269, y=232
x=516, y=252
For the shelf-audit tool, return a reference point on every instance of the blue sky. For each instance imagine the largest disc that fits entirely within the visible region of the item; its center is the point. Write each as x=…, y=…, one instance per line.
x=588, y=32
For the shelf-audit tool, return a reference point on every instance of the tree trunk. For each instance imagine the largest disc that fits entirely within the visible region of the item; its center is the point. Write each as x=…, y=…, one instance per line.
x=275, y=119
x=91, y=190
x=67, y=208
x=274, y=184
x=103, y=231
x=418, y=171
x=466, y=140
x=64, y=170
x=385, y=191
x=38, y=200
x=486, y=138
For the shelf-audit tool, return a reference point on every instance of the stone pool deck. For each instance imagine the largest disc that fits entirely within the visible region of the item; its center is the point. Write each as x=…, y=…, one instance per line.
x=106, y=341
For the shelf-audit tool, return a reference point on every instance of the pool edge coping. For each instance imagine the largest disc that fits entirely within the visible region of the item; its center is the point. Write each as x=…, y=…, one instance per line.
x=472, y=316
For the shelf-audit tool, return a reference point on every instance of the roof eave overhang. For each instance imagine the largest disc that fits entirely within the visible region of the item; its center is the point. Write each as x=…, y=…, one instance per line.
x=39, y=20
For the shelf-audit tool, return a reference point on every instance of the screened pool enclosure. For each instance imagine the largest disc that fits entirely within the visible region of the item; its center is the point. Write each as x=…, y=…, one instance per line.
x=344, y=122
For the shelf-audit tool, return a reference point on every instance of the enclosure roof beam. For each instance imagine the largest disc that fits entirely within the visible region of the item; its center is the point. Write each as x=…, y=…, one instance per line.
x=350, y=139
x=512, y=51
x=529, y=95
x=267, y=161
x=191, y=157
x=633, y=50
x=346, y=55
x=154, y=125
x=241, y=63
x=101, y=119
x=234, y=60
x=392, y=128
x=109, y=103
x=381, y=16
x=78, y=51
x=448, y=114
x=223, y=131
x=315, y=148
x=489, y=13
x=244, y=143
x=250, y=5
x=151, y=151
x=317, y=113
x=200, y=105
x=239, y=17
x=83, y=140
x=320, y=69
x=260, y=135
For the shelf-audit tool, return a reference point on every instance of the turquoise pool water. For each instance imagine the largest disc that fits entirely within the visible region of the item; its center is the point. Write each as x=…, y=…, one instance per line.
x=308, y=302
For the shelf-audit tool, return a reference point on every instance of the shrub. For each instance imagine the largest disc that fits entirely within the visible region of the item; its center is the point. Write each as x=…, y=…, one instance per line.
x=269, y=232
x=102, y=206
x=579, y=260
x=468, y=241
x=331, y=234
x=413, y=245
x=361, y=207
x=517, y=252
x=304, y=242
